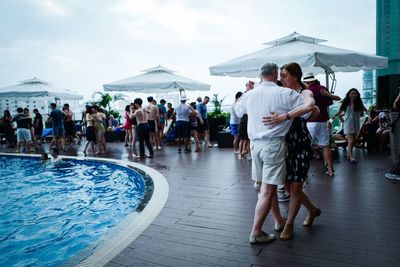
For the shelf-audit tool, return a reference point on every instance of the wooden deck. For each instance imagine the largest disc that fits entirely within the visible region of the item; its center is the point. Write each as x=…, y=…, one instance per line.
x=208, y=216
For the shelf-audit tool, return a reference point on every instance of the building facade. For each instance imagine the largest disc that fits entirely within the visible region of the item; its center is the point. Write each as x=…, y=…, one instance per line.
x=368, y=88
x=388, y=45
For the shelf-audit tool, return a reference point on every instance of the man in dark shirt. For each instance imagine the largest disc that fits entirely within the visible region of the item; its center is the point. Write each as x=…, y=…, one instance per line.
x=24, y=123
x=56, y=116
x=38, y=123
x=318, y=127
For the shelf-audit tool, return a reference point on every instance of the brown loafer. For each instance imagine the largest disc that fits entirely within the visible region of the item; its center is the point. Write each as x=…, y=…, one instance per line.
x=287, y=232
x=310, y=218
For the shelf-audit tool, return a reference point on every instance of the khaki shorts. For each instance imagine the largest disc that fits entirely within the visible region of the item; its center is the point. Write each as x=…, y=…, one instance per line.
x=268, y=161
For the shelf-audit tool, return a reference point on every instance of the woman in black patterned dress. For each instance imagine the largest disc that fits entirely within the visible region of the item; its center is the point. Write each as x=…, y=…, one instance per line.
x=300, y=150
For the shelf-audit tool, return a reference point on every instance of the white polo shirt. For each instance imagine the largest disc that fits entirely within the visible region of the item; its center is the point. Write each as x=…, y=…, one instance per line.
x=182, y=112
x=260, y=102
x=234, y=118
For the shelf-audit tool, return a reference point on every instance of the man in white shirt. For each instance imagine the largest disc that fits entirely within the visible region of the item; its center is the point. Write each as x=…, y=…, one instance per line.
x=234, y=124
x=268, y=146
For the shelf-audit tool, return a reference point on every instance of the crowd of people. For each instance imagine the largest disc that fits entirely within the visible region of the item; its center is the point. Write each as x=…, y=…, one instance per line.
x=27, y=132
x=150, y=124
x=281, y=125
x=154, y=124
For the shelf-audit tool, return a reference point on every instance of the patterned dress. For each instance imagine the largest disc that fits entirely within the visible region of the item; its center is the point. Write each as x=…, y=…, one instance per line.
x=300, y=151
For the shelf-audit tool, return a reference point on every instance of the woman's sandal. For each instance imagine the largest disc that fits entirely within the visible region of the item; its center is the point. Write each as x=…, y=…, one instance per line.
x=329, y=174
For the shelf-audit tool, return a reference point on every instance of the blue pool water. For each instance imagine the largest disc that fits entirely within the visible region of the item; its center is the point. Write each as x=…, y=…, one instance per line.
x=50, y=213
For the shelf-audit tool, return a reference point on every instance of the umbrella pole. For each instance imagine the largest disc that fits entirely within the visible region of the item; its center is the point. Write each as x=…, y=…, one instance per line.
x=327, y=79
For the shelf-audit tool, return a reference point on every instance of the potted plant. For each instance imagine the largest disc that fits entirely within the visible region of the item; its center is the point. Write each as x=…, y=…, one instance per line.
x=217, y=119
x=106, y=100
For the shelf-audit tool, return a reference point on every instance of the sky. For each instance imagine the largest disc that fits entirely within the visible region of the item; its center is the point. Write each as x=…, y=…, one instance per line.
x=81, y=45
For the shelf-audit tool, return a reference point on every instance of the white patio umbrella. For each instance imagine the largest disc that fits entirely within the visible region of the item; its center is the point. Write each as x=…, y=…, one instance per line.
x=35, y=88
x=157, y=80
x=306, y=51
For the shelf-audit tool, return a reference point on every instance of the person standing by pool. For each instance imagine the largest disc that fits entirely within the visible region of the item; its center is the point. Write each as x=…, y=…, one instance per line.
x=157, y=127
x=84, y=124
x=31, y=128
x=182, y=125
x=99, y=118
x=143, y=129
x=8, y=129
x=152, y=118
x=90, y=131
x=56, y=117
x=195, y=121
x=24, y=123
x=70, y=125
x=162, y=110
x=268, y=146
x=38, y=124
x=128, y=125
x=300, y=150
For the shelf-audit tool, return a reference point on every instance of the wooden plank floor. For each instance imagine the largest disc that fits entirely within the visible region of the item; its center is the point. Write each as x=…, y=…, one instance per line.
x=209, y=212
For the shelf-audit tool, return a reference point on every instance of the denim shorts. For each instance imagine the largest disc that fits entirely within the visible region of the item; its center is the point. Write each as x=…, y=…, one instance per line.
x=234, y=129
x=58, y=131
x=23, y=134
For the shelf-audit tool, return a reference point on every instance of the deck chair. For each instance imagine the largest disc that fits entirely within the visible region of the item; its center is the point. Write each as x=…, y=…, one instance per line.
x=360, y=137
x=340, y=142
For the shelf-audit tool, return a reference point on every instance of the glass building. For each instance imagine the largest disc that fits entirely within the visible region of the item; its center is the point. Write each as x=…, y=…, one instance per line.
x=368, y=88
x=388, y=45
x=388, y=34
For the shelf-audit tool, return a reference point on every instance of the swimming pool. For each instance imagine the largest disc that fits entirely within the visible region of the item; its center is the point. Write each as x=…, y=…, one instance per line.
x=67, y=213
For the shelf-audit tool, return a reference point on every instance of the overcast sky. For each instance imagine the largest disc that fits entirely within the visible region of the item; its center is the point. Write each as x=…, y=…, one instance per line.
x=80, y=45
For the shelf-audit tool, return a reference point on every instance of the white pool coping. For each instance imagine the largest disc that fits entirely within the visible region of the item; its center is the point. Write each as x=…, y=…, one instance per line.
x=133, y=224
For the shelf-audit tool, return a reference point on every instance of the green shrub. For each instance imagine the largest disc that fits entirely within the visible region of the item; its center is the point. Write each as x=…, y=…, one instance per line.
x=217, y=113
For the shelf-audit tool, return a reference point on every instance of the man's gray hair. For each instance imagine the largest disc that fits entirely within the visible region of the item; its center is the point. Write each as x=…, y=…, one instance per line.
x=268, y=69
